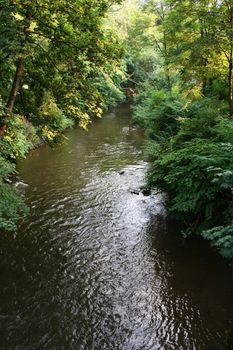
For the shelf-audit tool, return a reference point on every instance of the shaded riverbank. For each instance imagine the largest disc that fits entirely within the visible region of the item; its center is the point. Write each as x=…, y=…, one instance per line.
x=95, y=266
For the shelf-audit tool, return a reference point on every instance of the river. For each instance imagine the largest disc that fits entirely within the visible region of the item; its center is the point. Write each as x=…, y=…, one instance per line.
x=96, y=265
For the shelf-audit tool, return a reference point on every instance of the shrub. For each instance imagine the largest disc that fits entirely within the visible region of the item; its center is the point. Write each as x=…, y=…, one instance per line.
x=12, y=206
x=51, y=119
x=199, y=181
x=159, y=113
x=195, y=168
x=221, y=238
x=109, y=86
x=19, y=138
x=201, y=121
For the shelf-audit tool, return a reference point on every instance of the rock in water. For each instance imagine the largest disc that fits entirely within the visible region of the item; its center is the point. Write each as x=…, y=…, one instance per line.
x=133, y=191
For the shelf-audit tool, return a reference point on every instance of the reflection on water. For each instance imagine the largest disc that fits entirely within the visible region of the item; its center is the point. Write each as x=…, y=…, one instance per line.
x=95, y=266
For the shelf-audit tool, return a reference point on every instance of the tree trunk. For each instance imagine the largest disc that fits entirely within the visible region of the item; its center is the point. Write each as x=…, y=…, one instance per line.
x=230, y=72
x=167, y=72
x=16, y=85
x=166, y=63
x=19, y=66
x=3, y=129
x=13, y=93
x=230, y=88
x=18, y=75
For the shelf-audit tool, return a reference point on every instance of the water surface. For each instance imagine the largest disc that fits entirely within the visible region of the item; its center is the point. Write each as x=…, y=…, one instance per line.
x=96, y=266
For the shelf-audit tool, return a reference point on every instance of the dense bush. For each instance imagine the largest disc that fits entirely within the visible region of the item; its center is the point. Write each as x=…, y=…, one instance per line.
x=109, y=86
x=199, y=181
x=221, y=238
x=51, y=119
x=18, y=138
x=191, y=147
x=12, y=206
x=159, y=113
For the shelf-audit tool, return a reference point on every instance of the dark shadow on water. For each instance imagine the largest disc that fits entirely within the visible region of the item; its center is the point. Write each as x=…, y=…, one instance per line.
x=96, y=265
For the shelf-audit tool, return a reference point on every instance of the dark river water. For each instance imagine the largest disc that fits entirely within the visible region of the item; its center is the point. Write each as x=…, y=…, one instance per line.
x=95, y=266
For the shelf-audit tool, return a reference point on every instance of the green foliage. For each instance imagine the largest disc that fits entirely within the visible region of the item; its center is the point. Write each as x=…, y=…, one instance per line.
x=180, y=65
x=160, y=112
x=51, y=119
x=221, y=238
x=64, y=46
x=202, y=120
x=194, y=166
x=110, y=88
x=12, y=206
x=1, y=107
x=199, y=179
x=6, y=168
x=69, y=73
x=19, y=138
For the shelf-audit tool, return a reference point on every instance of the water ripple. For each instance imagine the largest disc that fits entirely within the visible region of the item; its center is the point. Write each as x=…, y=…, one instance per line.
x=93, y=266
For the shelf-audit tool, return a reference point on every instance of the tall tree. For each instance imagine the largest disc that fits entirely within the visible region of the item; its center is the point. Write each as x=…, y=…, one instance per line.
x=201, y=35
x=66, y=34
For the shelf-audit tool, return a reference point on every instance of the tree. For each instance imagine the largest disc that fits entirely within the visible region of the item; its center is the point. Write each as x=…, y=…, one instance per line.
x=201, y=34
x=56, y=62
x=64, y=38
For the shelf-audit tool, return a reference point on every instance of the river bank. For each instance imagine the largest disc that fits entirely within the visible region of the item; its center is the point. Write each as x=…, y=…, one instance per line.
x=95, y=266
